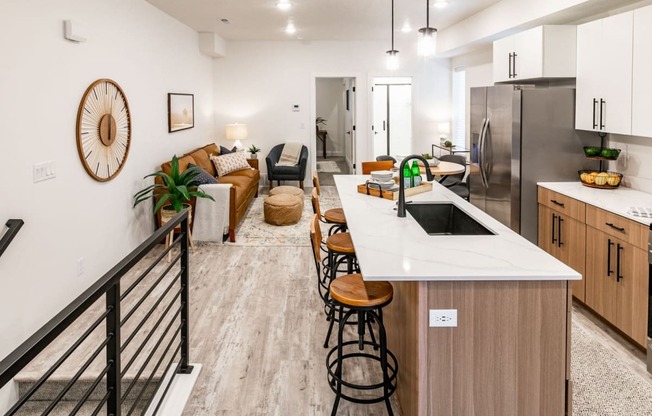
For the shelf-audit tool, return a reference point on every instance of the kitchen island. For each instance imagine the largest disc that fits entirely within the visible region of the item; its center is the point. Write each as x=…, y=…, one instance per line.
x=510, y=351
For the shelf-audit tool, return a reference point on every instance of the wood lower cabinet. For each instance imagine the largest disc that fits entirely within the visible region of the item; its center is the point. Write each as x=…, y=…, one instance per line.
x=617, y=282
x=563, y=235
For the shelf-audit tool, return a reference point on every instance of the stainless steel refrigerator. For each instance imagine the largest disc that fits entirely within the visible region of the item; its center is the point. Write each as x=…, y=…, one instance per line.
x=520, y=136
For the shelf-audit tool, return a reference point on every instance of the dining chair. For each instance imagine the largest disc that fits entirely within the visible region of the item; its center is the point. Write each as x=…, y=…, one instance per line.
x=456, y=182
x=368, y=167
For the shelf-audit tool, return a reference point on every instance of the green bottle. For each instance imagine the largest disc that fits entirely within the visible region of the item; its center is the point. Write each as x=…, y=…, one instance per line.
x=416, y=174
x=407, y=176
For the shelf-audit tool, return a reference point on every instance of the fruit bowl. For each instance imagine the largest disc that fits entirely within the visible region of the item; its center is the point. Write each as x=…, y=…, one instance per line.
x=601, y=152
x=601, y=180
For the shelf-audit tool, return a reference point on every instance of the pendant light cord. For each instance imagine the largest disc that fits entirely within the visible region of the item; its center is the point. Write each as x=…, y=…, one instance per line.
x=392, y=24
x=427, y=14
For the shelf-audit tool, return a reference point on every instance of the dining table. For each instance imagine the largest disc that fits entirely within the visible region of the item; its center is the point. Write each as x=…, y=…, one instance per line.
x=443, y=169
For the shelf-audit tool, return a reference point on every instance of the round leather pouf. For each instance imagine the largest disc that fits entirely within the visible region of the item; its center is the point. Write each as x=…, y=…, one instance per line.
x=283, y=209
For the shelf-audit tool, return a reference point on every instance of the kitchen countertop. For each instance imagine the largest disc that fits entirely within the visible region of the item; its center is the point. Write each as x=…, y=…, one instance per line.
x=398, y=249
x=613, y=200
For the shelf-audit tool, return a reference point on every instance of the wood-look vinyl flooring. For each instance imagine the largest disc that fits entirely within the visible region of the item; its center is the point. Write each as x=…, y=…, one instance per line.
x=258, y=327
x=326, y=178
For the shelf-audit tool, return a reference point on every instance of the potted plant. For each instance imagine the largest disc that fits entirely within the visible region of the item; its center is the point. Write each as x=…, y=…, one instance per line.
x=174, y=193
x=254, y=150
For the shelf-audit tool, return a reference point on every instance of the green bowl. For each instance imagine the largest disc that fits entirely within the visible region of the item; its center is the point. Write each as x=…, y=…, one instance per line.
x=611, y=154
x=591, y=151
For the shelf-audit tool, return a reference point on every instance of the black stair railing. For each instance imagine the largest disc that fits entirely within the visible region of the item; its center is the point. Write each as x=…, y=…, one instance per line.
x=161, y=333
x=13, y=226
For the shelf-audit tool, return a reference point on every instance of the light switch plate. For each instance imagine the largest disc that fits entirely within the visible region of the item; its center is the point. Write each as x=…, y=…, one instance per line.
x=443, y=318
x=44, y=171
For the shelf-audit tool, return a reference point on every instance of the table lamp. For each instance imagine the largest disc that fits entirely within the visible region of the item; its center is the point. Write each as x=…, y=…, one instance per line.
x=236, y=132
x=444, y=131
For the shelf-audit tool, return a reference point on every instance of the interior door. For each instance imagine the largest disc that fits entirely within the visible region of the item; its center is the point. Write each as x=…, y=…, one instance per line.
x=380, y=119
x=349, y=122
x=392, y=97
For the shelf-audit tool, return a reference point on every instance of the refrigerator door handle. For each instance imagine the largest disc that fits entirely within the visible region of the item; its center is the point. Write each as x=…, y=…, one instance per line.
x=481, y=151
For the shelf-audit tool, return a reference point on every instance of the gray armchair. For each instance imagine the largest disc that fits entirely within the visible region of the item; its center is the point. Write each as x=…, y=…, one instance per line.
x=285, y=173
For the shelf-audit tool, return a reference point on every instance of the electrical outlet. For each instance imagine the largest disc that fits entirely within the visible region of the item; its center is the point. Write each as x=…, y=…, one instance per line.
x=443, y=318
x=80, y=267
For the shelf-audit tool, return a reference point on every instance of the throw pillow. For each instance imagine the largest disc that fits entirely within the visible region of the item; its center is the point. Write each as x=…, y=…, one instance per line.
x=225, y=164
x=204, y=178
x=225, y=151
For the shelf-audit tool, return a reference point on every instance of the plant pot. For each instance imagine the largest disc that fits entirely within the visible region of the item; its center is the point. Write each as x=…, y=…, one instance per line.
x=168, y=212
x=254, y=156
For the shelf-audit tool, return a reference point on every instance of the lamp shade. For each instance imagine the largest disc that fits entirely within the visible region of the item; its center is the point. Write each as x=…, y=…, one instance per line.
x=236, y=131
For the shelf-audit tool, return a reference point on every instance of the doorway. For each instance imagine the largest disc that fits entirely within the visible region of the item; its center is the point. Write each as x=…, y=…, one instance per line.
x=392, y=99
x=334, y=127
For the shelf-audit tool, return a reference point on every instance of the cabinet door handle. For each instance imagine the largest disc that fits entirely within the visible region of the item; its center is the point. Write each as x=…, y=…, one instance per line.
x=554, y=240
x=609, y=244
x=554, y=201
x=622, y=230
x=595, y=124
x=514, y=63
x=509, y=65
x=618, y=271
x=602, y=102
x=561, y=220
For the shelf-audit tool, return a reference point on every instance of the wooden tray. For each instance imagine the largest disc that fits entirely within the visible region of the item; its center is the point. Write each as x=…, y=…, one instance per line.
x=392, y=195
x=592, y=185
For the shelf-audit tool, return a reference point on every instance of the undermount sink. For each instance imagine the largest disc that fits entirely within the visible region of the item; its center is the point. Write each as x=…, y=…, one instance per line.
x=445, y=219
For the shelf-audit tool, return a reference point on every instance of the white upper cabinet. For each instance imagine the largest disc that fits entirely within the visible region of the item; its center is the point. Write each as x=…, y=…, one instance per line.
x=604, y=75
x=541, y=52
x=642, y=80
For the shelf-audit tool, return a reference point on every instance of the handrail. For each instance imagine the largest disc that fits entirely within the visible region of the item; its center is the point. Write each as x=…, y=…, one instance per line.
x=13, y=228
x=109, y=286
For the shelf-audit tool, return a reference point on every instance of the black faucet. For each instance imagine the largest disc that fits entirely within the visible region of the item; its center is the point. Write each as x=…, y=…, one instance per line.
x=401, y=185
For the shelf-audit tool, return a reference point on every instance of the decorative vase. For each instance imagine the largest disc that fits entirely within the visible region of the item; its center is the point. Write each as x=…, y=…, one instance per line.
x=254, y=155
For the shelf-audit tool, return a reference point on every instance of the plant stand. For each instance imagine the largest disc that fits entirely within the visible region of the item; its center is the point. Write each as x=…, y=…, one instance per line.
x=167, y=215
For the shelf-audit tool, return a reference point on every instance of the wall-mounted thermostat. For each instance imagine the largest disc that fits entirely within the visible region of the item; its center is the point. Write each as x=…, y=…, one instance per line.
x=295, y=108
x=74, y=31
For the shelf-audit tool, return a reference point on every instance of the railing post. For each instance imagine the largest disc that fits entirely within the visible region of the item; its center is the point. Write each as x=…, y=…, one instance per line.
x=113, y=350
x=184, y=368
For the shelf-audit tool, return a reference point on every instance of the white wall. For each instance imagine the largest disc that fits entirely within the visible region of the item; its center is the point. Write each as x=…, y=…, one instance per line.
x=258, y=82
x=42, y=80
x=635, y=161
x=331, y=106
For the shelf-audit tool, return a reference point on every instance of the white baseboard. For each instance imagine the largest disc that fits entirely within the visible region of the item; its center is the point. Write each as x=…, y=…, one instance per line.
x=178, y=395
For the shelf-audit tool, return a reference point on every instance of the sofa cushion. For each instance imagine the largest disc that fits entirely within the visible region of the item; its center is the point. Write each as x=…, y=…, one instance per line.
x=211, y=149
x=249, y=173
x=204, y=178
x=203, y=161
x=225, y=164
x=241, y=184
x=225, y=151
x=183, y=164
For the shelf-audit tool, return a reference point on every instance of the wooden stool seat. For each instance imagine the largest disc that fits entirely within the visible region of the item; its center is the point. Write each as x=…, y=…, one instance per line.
x=335, y=215
x=340, y=243
x=351, y=290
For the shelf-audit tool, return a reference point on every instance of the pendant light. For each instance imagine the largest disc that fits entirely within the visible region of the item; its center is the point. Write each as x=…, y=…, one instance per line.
x=392, y=54
x=427, y=45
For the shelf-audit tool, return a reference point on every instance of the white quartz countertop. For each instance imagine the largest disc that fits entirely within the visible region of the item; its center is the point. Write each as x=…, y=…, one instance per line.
x=613, y=200
x=392, y=248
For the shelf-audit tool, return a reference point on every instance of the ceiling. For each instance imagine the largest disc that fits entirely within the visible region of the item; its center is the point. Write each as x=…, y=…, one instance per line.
x=315, y=19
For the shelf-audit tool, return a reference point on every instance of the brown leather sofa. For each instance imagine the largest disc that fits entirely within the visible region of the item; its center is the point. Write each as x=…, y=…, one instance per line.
x=245, y=183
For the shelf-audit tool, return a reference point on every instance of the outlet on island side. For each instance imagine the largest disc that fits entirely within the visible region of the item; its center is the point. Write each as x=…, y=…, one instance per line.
x=80, y=267
x=443, y=318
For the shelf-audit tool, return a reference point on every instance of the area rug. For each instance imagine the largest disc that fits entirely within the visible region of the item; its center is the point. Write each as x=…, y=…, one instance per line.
x=602, y=385
x=254, y=231
x=328, y=166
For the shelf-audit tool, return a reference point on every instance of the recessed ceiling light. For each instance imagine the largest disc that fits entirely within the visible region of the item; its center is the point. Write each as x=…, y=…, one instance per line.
x=290, y=29
x=406, y=28
x=225, y=21
x=440, y=4
x=284, y=5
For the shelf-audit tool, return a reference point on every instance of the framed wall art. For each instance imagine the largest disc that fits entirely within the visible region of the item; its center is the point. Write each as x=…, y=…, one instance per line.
x=181, y=111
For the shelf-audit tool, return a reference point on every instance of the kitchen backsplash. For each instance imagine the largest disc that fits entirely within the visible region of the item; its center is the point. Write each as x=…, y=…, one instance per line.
x=635, y=161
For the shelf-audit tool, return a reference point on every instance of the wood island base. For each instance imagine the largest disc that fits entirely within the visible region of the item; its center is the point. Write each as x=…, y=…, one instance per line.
x=508, y=356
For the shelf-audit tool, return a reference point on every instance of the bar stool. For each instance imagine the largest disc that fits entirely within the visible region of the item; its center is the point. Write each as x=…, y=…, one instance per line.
x=366, y=299
x=340, y=252
x=333, y=216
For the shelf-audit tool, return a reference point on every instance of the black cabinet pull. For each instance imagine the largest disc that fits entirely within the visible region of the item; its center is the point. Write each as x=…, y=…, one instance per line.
x=618, y=271
x=554, y=201
x=622, y=230
x=609, y=244
x=561, y=220
x=514, y=63
x=601, y=103
x=509, y=65
x=595, y=124
x=554, y=240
